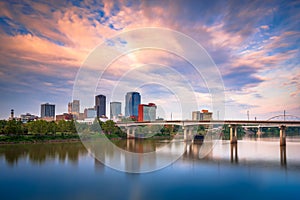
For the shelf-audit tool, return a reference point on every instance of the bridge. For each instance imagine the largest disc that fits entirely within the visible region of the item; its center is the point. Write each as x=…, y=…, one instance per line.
x=188, y=126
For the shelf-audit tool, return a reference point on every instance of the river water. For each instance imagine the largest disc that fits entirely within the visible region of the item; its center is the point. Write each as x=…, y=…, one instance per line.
x=252, y=169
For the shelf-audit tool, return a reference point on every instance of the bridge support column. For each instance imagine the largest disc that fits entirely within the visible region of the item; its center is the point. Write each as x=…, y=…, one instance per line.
x=130, y=135
x=190, y=133
x=185, y=130
x=259, y=132
x=233, y=134
x=128, y=132
x=282, y=135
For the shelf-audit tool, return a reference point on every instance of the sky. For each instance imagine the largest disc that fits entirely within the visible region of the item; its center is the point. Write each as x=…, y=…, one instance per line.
x=254, y=45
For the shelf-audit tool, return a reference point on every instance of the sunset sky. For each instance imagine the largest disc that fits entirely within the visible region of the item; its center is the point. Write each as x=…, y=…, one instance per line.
x=254, y=44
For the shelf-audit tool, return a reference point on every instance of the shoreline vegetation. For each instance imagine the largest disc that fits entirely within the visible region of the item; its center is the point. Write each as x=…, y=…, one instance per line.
x=41, y=131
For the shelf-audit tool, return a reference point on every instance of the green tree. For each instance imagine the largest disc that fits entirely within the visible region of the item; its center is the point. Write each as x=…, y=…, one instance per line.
x=226, y=132
x=2, y=126
x=82, y=128
x=62, y=127
x=201, y=129
x=109, y=127
x=39, y=127
x=66, y=127
x=71, y=127
x=52, y=127
x=96, y=126
x=13, y=127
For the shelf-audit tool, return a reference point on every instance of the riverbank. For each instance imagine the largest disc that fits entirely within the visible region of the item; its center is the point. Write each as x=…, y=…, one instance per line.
x=33, y=139
x=36, y=139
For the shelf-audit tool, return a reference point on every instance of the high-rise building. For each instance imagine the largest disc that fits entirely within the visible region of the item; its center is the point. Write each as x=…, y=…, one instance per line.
x=70, y=107
x=147, y=112
x=206, y=116
x=196, y=115
x=100, y=105
x=115, y=110
x=132, y=102
x=90, y=113
x=74, y=107
x=202, y=115
x=47, y=110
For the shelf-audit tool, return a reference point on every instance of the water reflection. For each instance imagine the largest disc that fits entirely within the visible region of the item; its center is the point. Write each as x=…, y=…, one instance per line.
x=283, y=156
x=39, y=153
x=234, y=153
x=136, y=155
x=243, y=153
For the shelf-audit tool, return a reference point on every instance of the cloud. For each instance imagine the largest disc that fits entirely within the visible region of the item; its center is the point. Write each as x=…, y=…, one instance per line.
x=249, y=41
x=265, y=27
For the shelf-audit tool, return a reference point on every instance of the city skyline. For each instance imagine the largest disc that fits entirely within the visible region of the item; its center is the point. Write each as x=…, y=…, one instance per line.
x=255, y=45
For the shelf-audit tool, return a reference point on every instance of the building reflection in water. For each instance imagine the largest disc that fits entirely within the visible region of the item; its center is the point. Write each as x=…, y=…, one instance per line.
x=70, y=152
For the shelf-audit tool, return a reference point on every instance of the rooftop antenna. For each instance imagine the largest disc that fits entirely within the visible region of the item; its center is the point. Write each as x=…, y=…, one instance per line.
x=283, y=115
x=171, y=117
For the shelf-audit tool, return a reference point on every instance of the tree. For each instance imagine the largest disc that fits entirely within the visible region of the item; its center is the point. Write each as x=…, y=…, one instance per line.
x=52, y=127
x=82, y=128
x=71, y=127
x=226, y=132
x=39, y=127
x=201, y=129
x=2, y=126
x=67, y=127
x=96, y=126
x=109, y=127
x=13, y=127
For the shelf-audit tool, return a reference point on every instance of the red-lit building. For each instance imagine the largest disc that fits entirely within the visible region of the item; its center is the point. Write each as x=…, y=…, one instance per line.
x=147, y=112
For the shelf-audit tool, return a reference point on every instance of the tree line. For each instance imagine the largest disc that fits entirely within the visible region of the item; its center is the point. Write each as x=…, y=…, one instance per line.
x=39, y=127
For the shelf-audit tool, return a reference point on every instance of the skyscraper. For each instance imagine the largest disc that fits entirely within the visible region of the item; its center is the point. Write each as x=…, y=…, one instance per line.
x=147, y=112
x=115, y=110
x=74, y=107
x=202, y=115
x=132, y=101
x=47, y=110
x=100, y=105
x=90, y=113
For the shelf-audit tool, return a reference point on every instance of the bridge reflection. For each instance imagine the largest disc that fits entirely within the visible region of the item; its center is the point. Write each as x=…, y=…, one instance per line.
x=234, y=153
x=244, y=153
x=230, y=154
x=283, y=155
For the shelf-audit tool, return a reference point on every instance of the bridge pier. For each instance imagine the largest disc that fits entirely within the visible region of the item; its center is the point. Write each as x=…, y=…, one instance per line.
x=191, y=133
x=233, y=134
x=282, y=135
x=131, y=135
x=187, y=133
x=259, y=132
x=184, y=133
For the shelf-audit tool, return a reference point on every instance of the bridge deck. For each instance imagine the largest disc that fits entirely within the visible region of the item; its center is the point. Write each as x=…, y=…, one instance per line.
x=212, y=122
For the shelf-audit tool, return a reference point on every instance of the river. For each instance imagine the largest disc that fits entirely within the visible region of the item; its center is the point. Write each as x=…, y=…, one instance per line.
x=252, y=169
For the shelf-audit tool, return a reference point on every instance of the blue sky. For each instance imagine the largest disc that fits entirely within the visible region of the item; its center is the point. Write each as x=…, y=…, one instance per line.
x=255, y=45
